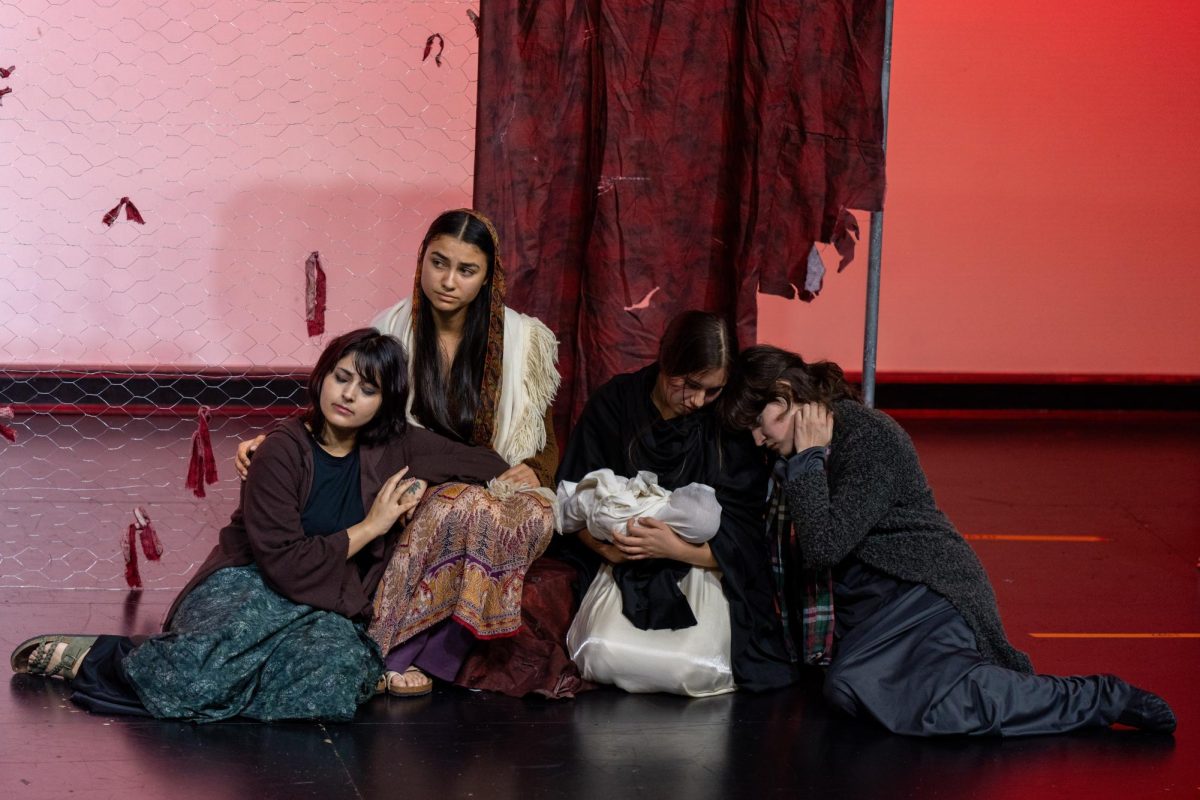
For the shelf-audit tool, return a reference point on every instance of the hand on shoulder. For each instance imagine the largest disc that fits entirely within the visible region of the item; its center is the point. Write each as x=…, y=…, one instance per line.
x=245, y=451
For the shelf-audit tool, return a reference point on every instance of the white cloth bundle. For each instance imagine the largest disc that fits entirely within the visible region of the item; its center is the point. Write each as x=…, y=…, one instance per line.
x=693, y=661
x=604, y=503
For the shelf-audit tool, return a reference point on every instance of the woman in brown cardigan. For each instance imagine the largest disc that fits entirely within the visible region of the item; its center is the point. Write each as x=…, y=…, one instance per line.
x=271, y=625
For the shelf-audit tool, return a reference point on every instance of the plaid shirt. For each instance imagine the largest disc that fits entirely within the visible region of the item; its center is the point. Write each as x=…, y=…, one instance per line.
x=803, y=597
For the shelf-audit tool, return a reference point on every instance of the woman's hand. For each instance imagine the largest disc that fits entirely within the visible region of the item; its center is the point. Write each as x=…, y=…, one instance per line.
x=647, y=537
x=520, y=475
x=603, y=549
x=412, y=492
x=812, y=426
x=397, y=498
x=245, y=450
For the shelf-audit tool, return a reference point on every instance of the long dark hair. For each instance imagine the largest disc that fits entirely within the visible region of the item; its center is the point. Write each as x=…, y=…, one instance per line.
x=695, y=341
x=764, y=373
x=446, y=403
x=378, y=358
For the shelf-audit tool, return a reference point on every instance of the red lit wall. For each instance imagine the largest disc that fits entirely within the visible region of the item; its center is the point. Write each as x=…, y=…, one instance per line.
x=1041, y=212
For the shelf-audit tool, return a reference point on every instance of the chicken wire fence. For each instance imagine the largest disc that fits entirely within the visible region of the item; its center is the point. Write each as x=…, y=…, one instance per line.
x=246, y=135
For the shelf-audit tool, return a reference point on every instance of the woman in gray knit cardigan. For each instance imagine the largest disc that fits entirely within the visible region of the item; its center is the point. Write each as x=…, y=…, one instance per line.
x=917, y=642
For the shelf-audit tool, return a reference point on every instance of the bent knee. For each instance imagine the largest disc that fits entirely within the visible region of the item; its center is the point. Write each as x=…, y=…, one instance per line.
x=838, y=692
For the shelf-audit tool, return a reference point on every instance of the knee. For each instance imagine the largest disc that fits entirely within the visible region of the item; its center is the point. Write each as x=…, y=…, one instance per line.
x=600, y=649
x=595, y=659
x=837, y=691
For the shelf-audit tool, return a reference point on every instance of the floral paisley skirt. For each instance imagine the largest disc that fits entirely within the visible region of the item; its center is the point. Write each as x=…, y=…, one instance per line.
x=236, y=648
x=465, y=559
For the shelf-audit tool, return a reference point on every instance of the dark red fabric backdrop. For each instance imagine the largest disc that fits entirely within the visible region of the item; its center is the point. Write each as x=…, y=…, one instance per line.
x=694, y=149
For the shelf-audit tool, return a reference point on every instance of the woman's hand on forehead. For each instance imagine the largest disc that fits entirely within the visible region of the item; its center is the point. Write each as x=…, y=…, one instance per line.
x=812, y=426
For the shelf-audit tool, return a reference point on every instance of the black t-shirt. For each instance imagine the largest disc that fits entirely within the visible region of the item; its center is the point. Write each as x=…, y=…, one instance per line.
x=335, y=500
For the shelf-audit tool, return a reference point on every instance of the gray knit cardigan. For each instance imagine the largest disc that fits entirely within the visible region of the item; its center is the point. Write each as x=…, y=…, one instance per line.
x=873, y=502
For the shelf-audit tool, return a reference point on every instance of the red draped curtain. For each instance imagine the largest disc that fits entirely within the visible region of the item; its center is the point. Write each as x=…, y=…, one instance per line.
x=641, y=158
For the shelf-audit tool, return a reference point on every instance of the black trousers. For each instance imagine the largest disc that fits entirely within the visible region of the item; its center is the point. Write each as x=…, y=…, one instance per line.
x=907, y=658
x=100, y=686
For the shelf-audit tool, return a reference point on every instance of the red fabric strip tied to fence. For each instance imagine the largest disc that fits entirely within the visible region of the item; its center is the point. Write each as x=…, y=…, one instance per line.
x=7, y=431
x=202, y=467
x=141, y=528
x=131, y=213
x=314, y=294
x=434, y=37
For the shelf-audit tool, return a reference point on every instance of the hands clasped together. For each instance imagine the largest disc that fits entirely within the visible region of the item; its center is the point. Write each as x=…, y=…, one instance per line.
x=633, y=519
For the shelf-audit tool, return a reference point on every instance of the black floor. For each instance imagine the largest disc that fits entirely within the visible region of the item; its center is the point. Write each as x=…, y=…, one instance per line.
x=1090, y=529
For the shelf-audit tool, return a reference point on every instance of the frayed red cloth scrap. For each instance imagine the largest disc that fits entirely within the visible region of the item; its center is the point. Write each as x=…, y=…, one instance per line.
x=7, y=431
x=202, y=467
x=437, y=59
x=314, y=294
x=141, y=529
x=131, y=213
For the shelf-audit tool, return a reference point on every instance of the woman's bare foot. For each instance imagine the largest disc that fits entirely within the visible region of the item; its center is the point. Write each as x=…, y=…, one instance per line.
x=410, y=683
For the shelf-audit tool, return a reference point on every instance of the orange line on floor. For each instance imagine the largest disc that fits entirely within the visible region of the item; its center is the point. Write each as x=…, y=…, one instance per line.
x=1004, y=537
x=1115, y=635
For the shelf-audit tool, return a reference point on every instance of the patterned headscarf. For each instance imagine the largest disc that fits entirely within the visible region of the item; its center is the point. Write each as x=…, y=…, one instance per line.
x=484, y=425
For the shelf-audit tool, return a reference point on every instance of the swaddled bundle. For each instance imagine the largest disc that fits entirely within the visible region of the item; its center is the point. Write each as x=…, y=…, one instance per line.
x=604, y=503
x=605, y=640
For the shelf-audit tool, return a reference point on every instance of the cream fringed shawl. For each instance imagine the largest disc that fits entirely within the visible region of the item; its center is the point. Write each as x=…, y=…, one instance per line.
x=529, y=378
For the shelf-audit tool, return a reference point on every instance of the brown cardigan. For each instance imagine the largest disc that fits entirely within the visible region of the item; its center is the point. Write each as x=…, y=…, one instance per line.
x=313, y=570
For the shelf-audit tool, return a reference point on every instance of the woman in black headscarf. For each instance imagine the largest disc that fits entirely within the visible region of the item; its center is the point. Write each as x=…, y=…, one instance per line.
x=660, y=420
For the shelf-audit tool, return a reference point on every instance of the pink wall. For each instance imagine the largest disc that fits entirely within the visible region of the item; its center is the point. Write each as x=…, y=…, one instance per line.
x=1042, y=212
x=249, y=133
x=1040, y=215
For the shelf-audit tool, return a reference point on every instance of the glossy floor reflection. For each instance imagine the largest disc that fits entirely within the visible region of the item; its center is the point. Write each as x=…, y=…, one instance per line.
x=1131, y=488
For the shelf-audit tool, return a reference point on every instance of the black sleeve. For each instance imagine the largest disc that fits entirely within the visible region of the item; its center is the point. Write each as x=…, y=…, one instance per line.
x=760, y=659
x=596, y=440
x=810, y=460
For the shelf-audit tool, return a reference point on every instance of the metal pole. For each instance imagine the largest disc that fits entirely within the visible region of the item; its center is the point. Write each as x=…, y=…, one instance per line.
x=871, y=333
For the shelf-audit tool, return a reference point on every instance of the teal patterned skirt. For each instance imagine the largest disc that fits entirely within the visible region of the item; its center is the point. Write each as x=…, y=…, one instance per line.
x=237, y=648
